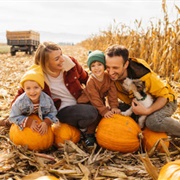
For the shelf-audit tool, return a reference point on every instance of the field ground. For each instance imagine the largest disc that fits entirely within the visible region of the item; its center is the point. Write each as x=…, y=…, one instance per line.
x=73, y=163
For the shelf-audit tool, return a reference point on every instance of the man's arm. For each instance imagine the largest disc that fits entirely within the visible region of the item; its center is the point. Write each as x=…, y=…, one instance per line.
x=139, y=109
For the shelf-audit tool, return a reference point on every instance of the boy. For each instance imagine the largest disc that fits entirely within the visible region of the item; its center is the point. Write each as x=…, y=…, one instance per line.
x=99, y=86
x=33, y=101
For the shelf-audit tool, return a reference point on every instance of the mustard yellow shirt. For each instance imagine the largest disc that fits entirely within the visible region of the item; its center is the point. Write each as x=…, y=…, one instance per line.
x=154, y=86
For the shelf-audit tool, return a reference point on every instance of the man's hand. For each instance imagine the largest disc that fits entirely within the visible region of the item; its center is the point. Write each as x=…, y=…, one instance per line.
x=138, y=108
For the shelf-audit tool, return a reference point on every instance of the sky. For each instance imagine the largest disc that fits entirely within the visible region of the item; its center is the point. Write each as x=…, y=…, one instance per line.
x=80, y=17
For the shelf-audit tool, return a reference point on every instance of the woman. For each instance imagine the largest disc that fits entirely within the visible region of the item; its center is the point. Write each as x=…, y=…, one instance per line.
x=64, y=77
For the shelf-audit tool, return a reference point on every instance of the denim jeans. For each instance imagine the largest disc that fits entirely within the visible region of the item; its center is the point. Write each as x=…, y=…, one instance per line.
x=161, y=120
x=79, y=115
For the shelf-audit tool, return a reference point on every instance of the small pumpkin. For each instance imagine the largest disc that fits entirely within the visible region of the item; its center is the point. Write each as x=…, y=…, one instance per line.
x=119, y=133
x=33, y=140
x=47, y=178
x=64, y=132
x=170, y=171
x=151, y=137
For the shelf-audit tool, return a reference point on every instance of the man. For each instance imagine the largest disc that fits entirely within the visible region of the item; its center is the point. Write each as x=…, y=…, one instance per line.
x=120, y=66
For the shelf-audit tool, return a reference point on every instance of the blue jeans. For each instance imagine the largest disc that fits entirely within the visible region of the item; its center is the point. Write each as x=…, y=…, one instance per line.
x=79, y=115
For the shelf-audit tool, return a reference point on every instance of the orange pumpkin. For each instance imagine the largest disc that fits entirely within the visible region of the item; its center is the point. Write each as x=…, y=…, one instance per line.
x=64, y=132
x=119, y=133
x=151, y=137
x=33, y=140
x=170, y=171
x=47, y=178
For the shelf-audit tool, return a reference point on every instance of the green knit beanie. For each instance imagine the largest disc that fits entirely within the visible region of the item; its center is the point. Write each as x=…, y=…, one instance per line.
x=96, y=56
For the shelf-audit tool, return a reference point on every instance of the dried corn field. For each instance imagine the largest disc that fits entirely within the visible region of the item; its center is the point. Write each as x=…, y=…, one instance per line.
x=72, y=162
x=159, y=44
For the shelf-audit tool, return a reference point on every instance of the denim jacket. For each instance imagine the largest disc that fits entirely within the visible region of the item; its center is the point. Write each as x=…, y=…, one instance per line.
x=74, y=78
x=23, y=107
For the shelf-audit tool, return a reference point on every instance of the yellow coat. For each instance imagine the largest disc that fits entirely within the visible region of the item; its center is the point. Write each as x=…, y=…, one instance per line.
x=154, y=86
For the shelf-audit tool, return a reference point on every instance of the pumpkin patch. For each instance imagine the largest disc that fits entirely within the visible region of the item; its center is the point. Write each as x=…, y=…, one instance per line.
x=119, y=133
x=31, y=139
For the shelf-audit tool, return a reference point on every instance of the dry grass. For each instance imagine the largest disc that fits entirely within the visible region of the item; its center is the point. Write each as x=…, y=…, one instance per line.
x=4, y=48
x=71, y=162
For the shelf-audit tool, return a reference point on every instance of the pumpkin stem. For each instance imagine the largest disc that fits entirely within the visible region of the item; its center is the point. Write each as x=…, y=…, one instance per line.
x=140, y=136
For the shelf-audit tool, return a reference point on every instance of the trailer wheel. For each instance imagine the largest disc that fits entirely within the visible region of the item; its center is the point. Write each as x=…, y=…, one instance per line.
x=31, y=50
x=13, y=53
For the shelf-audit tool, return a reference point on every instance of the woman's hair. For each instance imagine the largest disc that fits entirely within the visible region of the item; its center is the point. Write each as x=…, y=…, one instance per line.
x=118, y=50
x=42, y=55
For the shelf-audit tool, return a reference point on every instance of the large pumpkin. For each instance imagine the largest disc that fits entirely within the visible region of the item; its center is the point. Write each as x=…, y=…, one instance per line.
x=119, y=133
x=151, y=137
x=170, y=171
x=33, y=140
x=64, y=132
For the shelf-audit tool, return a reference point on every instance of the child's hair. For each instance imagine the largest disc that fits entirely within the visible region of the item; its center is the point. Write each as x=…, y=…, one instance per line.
x=96, y=56
x=34, y=74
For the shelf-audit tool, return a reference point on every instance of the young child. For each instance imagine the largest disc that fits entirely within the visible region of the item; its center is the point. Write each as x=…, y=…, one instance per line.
x=33, y=101
x=99, y=86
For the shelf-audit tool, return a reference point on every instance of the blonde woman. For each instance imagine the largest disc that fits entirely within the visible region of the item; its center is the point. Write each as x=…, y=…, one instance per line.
x=64, y=77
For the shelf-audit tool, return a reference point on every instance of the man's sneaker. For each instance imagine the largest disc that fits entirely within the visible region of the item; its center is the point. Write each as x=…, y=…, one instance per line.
x=89, y=139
